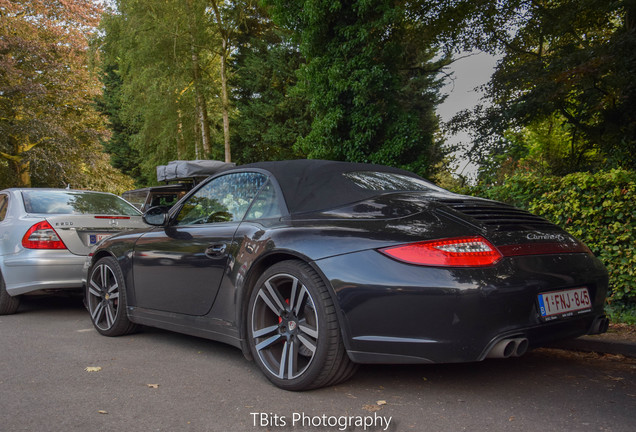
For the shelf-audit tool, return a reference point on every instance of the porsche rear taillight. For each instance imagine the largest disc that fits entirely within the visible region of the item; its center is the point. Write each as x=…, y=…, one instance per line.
x=453, y=252
x=42, y=236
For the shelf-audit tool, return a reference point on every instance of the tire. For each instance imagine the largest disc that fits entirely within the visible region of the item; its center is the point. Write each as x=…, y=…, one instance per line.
x=293, y=330
x=106, y=299
x=8, y=304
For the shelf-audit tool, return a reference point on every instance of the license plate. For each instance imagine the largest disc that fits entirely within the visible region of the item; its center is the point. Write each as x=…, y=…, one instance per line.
x=557, y=304
x=96, y=238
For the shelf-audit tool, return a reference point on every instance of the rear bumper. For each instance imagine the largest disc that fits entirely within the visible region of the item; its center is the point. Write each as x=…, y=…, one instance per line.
x=392, y=312
x=35, y=270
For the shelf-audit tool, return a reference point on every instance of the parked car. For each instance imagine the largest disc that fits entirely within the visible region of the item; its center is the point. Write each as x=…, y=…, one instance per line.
x=153, y=196
x=311, y=267
x=45, y=235
x=187, y=174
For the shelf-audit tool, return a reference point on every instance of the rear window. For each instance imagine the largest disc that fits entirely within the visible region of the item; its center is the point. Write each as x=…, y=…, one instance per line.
x=390, y=182
x=75, y=202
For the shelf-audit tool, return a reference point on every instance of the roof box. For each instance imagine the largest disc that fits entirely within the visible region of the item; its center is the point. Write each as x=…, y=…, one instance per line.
x=181, y=169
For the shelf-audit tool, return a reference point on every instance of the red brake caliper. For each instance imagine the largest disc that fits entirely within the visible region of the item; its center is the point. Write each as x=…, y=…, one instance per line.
x=280, y=320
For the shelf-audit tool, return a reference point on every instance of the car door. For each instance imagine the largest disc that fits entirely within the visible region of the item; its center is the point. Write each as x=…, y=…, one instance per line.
x=179, y=268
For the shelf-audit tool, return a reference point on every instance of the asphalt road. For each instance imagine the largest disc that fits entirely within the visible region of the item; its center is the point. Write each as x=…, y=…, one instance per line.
x=162, y=381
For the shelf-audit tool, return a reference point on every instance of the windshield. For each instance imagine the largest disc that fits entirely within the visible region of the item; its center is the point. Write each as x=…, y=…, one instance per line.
x=390, y=182
x=76, y=202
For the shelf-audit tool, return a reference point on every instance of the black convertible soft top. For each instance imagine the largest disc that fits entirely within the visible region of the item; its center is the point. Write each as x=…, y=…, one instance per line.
x=311, y=185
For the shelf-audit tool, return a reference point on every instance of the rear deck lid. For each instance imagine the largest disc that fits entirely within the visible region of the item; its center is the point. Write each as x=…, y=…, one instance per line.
x=82, y=219
x=81, y=232
x=514, y=231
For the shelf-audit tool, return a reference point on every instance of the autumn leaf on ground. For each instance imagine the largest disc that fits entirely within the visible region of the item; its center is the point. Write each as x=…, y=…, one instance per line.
x=615, y=378
x=153, y=385
x=93, y=368
x=371, y=408
x=381, y=402
x=102, y=412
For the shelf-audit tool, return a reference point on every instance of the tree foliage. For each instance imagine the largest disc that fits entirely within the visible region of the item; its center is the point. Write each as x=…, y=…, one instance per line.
x=370, y=79
x=567, y=66
x=49, y=129
x=270, y=116
x=156, y=61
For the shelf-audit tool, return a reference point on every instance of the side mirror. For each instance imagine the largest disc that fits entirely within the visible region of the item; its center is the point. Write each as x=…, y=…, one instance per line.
x=156, y=216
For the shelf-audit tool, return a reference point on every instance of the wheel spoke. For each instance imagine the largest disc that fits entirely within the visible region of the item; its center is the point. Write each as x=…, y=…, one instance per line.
x=113, y=288
x=264, y=331
x=280, y=302
x=294, y=291
x=292, y=362
x=96, y=315
x=267, y=342
x=283, y=360
x=311, y=346
x=103, y=275
x=110, y=315
x=299, y=301
x=269, y=303
x=312, y=332
x=93, y=289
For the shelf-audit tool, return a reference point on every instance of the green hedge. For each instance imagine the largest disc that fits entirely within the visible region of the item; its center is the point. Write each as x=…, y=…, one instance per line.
x=597, y=208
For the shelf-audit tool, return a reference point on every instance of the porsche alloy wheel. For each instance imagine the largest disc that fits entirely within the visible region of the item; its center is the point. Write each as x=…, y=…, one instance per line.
x=106, y=299
x=293, y=329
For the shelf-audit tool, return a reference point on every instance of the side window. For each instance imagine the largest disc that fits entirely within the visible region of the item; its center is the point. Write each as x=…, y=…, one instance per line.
x=267, y=204
x=224, y=199
x=4, y=204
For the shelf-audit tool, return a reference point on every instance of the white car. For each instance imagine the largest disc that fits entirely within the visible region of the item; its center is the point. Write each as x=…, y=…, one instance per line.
x=46, y=234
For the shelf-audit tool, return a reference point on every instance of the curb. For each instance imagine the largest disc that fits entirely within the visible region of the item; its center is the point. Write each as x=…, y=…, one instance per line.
x=601, y=346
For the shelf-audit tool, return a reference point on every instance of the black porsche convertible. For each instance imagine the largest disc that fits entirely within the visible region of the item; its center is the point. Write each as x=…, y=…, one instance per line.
x=312, y=267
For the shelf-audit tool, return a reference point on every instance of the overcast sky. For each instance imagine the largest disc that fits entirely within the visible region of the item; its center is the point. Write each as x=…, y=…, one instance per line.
x=469, y=73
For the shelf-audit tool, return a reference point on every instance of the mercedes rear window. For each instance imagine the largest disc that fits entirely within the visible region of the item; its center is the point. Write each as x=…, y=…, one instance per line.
x=76, y=202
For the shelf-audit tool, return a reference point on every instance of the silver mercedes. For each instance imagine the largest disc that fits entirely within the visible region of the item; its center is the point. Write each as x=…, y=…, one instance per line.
x=46, y=234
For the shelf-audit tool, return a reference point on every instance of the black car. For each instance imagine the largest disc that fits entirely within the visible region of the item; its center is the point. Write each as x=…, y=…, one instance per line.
x=311, y=267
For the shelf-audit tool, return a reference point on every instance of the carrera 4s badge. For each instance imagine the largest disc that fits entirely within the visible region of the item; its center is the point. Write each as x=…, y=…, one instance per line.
x=543, y=236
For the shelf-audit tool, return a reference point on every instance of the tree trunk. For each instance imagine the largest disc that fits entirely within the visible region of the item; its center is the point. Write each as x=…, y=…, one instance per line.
x=24, y=173
x=201, y=104
x=225, y=101
x=18, y=162
x=225, y=104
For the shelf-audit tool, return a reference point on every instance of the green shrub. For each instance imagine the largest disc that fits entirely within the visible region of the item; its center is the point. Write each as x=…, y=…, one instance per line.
x=597, y=208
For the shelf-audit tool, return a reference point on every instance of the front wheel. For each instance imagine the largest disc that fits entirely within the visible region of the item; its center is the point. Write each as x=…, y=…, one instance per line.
x=106, y=298
x=293, y=330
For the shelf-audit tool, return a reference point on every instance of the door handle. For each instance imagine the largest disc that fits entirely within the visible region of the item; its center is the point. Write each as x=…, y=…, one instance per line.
x=216, y=250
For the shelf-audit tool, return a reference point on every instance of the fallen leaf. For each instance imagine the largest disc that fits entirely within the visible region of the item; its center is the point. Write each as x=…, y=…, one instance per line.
x=93, y=368
x=102, y=412
x=381, y=402
x=153, y=385
x=512, y=418
x=371, y=408
x=615, y=378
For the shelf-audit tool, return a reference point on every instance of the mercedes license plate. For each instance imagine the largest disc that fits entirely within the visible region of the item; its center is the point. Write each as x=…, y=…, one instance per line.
x=557, y=304
x=96, y=238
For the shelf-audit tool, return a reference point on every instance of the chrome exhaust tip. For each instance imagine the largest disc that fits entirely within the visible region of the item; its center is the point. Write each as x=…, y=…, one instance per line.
x=521, y=346
x=599, y=326
x=511, y=347
x=503, y=349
